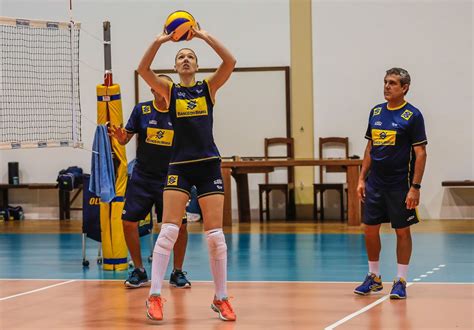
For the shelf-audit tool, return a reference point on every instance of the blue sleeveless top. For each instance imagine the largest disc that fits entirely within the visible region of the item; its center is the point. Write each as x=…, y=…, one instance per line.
x=191, y=112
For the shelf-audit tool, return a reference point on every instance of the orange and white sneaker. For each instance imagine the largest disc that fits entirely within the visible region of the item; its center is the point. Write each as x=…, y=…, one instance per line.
x=224, y=308
x=154, y=307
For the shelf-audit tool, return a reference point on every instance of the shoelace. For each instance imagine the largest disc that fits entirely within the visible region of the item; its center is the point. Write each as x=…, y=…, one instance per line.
x=181, y=275
x=135, y=274
x=160, y=299
x=398, y=285
x=368, y=279
x=226, y=305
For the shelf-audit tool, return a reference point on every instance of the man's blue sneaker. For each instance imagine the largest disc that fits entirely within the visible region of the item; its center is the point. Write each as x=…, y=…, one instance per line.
x=372, y=283
x=136, y=279
x=399, y=289
x=178, y=279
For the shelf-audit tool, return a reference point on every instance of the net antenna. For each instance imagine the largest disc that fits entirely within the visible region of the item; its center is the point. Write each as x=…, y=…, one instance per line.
x=39, y=84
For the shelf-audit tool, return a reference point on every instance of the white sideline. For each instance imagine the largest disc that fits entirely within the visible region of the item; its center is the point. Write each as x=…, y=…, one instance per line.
x=360, y=311
x=36, y=290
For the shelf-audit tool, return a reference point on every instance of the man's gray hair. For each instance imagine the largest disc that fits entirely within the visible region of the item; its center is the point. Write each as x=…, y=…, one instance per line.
x=404, y=75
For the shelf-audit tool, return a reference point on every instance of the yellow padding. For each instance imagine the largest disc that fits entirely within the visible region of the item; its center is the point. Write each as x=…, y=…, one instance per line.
x=113, y=240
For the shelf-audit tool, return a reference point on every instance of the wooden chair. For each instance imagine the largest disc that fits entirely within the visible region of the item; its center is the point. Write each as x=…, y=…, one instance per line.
x=321, y=187
x=287, y=188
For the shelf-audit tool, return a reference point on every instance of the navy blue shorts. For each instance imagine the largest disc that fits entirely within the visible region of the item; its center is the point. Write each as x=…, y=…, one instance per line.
x=206, y=176
x=142, y=193
x=387, y=206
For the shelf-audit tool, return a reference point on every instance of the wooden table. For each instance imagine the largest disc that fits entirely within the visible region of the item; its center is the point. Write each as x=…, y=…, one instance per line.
x=458, y=184
x=240, y=170
x=65, y=200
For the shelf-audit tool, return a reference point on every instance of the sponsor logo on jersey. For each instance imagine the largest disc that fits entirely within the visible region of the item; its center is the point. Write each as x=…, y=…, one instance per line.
x=153, y=122
x=394, y=125
x=377, y=111
x=218, y=181
x=172, y=180
x=383, y=137
x=159, y=136
x=406, y=114
x=191, y=108
x=146, y=109
x=181, y=94
x=378, y=123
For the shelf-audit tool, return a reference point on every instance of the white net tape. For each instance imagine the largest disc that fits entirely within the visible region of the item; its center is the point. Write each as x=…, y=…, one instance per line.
x=39, y=84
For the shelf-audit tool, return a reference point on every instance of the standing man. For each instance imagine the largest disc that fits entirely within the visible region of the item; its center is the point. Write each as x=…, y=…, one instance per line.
x=390, y=179
x=151, y=121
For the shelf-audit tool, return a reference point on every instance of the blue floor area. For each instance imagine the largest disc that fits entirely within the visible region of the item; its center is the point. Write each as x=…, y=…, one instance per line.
x=252, y=257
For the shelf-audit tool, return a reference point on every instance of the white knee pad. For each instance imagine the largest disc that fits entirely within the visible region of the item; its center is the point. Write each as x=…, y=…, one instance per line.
x=216, y=244
x=166, y=239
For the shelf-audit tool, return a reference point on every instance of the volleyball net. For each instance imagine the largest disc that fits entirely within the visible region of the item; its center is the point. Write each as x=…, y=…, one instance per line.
x=39, y=84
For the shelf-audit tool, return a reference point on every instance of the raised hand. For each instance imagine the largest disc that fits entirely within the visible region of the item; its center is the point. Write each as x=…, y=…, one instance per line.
x=198, y=33
x=164, y=37
x=119, y=134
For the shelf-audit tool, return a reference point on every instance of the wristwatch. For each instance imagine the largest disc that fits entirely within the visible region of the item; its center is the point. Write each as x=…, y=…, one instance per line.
x=417, y=186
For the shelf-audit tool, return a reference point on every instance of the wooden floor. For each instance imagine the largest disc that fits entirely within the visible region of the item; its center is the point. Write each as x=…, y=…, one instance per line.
x=80, y=304
x=303, y=227
x=86, y=301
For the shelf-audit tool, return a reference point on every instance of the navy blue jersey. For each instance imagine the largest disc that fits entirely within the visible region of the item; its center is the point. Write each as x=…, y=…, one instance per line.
x=155, y=138
x=191, y=111
x=394, y=132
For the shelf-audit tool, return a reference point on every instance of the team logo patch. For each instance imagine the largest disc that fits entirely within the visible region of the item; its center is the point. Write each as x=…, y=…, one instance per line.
x=146, y=109
x=384, y=137
x=172, y=180
x=377, y=111
x=407, y=114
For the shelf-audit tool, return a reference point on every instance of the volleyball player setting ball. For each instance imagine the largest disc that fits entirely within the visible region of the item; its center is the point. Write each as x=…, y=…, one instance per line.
x=195, y=159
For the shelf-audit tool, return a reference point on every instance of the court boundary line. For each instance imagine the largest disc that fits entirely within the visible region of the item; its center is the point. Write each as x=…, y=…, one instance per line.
x=36, y=290
x=360, y=311
x=209, y=281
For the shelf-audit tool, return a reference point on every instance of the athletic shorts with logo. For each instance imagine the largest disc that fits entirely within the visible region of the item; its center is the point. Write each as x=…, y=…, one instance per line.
x=142, y=193
x=205, y=175
x=387, y=206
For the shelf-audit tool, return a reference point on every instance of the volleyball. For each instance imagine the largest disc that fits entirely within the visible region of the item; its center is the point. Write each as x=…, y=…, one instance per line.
x=180, y=22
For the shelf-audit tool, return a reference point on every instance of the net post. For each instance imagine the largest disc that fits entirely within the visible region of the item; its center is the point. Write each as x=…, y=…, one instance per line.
x=107, y=55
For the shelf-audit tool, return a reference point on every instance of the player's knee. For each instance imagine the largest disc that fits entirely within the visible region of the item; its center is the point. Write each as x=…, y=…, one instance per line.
x=371, y=230
x=129, y=225
x=216, y=243
x=166, y=239
x=403, y=233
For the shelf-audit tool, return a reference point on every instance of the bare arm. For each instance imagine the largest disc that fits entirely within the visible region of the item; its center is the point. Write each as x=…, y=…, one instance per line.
x=364, y=171
x=161, y=86
x=223, y=72
x=413, y=196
